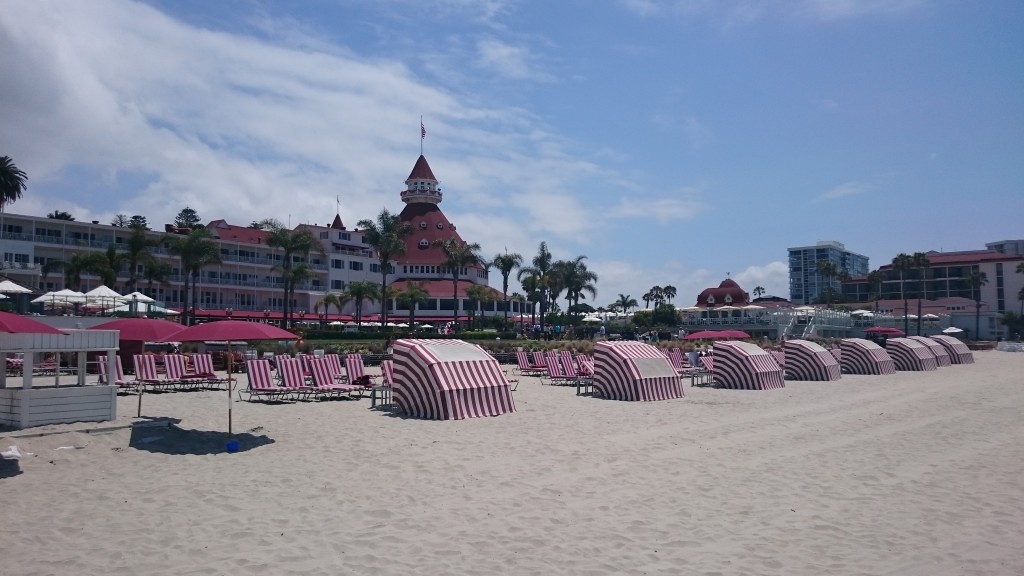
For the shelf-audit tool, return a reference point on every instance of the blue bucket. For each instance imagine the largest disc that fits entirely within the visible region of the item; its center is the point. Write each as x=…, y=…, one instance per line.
x=232, y=446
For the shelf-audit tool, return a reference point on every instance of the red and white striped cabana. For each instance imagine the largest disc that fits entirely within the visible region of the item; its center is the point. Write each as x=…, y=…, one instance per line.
x=941, y=356
x=745, y=366
x=634, y=371
x=959, y=353
x=910, y=355
x=448, y=380
x=808, y=361
x=860, y=356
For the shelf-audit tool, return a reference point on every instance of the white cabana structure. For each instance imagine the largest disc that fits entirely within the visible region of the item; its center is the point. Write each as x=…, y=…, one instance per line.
x=910, y=355
x=634, y=371
x=27, y=405
x=807, y=360
x=860, y=356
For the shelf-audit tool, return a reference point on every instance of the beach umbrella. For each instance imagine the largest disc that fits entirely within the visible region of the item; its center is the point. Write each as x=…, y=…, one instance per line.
x=18, y=324
x=8, y=287
x=930, y=317
x=709, y=335
x=101, y=296
x=952, y=330
x=141, y=330
x=886, y=331
x=138, y=297
x=228, y=330
x=735, y=334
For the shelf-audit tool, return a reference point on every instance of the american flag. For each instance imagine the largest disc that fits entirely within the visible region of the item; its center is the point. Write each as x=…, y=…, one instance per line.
x=423, y=131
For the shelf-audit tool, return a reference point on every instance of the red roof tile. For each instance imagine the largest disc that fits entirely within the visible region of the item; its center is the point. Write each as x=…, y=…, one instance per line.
x=221, y=229
x=421, y=170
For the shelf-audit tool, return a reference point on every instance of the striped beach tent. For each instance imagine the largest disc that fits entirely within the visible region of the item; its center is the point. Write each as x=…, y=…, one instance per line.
x=910, y=355
x=745, y=366
x=860, y=356
x=634, y=371
x=941, y=356
x=959, y=353
x=806, y=360
x=448, y=380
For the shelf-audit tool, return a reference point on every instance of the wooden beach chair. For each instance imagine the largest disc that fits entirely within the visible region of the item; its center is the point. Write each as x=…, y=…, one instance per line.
x=261, y=383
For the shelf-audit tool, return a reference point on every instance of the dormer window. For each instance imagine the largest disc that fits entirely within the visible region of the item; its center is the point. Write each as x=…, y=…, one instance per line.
x=728, y=298
x=440, y=226
x=452, y=226
x=711, y=300
x=423, y=225
x=424, y=243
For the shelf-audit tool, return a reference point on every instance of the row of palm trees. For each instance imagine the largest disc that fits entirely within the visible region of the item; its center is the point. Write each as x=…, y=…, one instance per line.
x=659, y=295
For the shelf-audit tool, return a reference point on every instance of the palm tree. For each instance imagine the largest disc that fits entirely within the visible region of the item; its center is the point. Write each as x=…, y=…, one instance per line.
x=12, y=182
x=113, y=261
x=457, y=254
x=531, y=285
x=387, y=236
x=828, y=270
x=577, y=280
x=903, y=263
x=506, y=263
x=137, y=252
x=669, y=292
x=296, y=246
x=625, y=303
x=920, y=262
x=541, y=269
x=60, y=215
x=479, y=295
x=976, y=279
x=156, y=271
x=360, y=291
x=330, y=299
x=647, y=298
x=196, y=250
x=875, y=279
x=413, y=294
x=758, y=291
x=73, y=268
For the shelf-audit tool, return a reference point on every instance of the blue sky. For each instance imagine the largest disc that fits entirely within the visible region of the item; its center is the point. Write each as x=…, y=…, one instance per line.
x=670, y=141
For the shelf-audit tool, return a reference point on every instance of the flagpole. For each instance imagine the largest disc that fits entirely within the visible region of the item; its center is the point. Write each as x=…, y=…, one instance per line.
x=423, y=134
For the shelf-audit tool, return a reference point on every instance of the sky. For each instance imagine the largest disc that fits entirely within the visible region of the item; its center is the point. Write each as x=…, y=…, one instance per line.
x=671, y=142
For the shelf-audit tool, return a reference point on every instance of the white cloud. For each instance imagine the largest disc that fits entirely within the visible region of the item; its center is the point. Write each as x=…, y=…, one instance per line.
x=658, y=209
x=739, y=12
x=841, y=9
x=505, y=59
x=844, y=190
x=773, y=277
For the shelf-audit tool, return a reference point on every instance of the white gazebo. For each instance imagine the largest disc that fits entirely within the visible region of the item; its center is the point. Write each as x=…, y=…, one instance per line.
x=29, y=405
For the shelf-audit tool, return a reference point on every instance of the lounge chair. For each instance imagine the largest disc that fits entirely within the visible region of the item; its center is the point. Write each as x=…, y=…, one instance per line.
x=324, y=383
x=334, y=362
x=146, y=374
x=175, y=365
x=557, y=374
x=384, y=389
x=293, y=377
x=524, y=367
x=356, y=373
x=202, y=364
x=707, y=376
x=261, y=383
x=119, y=380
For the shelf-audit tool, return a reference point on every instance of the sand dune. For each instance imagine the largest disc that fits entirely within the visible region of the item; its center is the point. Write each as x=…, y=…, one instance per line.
x=917, y=473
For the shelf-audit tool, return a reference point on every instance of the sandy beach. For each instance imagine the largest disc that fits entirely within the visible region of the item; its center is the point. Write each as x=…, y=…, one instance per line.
x=913, y=474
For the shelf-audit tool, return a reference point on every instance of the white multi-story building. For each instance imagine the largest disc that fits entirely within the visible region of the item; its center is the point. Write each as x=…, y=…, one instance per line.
x=806, y=283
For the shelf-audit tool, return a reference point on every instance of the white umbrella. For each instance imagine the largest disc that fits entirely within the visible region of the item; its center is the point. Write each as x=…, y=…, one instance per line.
x=592, y=319
x=102, y=295
x=952, y=330
x=930, y=317
x=145, y=308
x=9, y=287
x=139, y=297
x=336, y=323
x=805, y=309
x=753, y=307
x=60, y=297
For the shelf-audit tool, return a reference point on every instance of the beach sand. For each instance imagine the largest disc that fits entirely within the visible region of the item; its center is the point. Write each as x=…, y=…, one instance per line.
x=912, y=474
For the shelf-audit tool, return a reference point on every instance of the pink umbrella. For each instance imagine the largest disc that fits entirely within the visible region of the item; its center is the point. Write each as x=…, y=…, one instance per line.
x=141, y=330
x=709, y=335
x=17, y=324
x=229, y=330
x=735, y=334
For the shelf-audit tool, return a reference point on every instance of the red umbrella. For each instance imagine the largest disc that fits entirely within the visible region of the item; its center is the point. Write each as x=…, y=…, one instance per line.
x=709, y=335
x=229, y=330
x=17, y=324
x=142, y=329
x=737, y=334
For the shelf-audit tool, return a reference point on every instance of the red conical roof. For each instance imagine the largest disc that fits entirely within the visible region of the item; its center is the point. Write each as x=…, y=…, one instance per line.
x=421, y=171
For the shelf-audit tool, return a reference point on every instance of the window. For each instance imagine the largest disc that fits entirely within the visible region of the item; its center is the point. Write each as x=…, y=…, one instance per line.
x=337, y=264
x=344, y=236
x=323, y=235
x=353, y=265
x=440, y=226
x=375, y=268
x=423, y=225
x=337, y=285
x=424, y=243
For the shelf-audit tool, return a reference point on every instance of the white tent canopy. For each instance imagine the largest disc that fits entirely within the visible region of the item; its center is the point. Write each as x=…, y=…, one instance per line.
x=8, y=287
x=102, y=295
x=138, y=297
x=60, y=298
